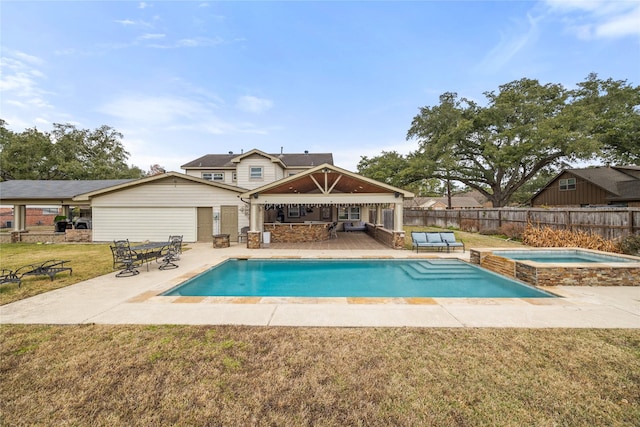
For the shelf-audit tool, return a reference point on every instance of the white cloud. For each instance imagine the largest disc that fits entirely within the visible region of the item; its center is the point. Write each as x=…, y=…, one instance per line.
x=598, y=18
x=152, y=36
x=125, y=22
x=253, y=104
x=510, y=45
x=20, y=82
x=143, y=5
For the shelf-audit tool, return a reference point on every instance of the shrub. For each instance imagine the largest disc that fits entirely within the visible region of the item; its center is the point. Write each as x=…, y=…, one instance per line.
x=512, y=230
x=630, y=245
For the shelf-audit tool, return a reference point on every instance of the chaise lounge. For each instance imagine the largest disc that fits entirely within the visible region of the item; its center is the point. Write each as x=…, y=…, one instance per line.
x=48, y=268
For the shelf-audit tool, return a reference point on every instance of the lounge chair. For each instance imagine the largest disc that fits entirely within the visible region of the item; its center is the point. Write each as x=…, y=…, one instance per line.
x=124, y=258
x=421, y=239
x=48, y=268
x=450, y=239
x=9, y=276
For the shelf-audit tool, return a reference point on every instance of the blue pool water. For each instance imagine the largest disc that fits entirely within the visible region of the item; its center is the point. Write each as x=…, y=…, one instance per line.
x=353, y=278
x=570, y=256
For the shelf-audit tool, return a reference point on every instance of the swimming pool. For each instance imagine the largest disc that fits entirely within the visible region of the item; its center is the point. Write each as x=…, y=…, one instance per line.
x=560, y=256
x=353, y=278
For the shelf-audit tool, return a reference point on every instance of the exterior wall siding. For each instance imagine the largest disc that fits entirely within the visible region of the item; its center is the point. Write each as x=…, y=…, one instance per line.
x=585, y=194
x=157, y=209
x=140, y=224
x=270, y=172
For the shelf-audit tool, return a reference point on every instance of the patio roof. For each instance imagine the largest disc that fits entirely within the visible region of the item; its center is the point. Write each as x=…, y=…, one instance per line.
x=327, y=184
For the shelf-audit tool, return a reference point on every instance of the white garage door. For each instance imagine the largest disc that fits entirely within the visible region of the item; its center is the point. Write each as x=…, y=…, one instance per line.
x=140, y=224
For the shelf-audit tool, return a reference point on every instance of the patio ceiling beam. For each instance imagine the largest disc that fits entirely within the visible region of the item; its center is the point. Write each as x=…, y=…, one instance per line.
x=322, y=190
x=334, y=184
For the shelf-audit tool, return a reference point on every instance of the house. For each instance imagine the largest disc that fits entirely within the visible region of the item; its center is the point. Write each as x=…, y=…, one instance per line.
x=439, y=203
x=596, y=186
x=221, y=194
x=35, y=216
x=254, y=168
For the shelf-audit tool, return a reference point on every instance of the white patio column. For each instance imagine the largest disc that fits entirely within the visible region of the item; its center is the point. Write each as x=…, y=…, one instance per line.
x=398, y=220
x=257, y=216
x=379, y=218
x=19, y=217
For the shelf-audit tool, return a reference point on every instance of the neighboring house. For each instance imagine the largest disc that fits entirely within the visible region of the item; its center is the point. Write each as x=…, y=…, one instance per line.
x=597, y=186
x=254, y=168
x=439, y=203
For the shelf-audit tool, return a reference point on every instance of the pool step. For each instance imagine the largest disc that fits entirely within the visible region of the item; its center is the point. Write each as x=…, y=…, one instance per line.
x=423, y=273
x=452, y=267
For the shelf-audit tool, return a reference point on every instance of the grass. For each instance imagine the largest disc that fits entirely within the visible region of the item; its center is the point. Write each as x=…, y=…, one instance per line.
x=199, y=375
x=471, y=240
x=230, y=375
x=87, y=261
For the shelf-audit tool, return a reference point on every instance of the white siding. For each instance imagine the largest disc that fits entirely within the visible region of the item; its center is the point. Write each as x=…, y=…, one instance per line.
x=140, y=224
x=270, y=172
x=156, y=209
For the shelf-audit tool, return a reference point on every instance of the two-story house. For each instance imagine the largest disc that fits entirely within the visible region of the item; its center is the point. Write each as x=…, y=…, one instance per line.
x=254, y=168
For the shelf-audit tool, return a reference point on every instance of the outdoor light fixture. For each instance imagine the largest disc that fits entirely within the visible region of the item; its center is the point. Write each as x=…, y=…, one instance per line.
x=255, y=196
x=396, y=194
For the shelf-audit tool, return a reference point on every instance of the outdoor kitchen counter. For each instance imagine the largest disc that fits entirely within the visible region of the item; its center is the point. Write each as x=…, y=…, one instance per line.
x=292, y=232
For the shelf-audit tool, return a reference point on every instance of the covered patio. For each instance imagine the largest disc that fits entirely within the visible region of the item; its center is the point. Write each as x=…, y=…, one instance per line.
x=303, y=208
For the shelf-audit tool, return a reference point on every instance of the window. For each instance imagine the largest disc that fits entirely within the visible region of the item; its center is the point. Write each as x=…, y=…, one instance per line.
x=567, y=184
x=215, y=176
x=255, y=172
x=294, y=211
x=351, y=213
x=234, y=176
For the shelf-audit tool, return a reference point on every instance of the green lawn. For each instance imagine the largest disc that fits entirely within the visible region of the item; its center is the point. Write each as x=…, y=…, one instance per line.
x=107, y=375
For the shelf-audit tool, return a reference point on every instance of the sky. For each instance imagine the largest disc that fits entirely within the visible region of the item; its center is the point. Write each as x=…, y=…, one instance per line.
x=183, y=79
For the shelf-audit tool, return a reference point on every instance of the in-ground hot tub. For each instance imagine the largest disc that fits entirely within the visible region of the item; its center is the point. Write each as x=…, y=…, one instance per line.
x=561, y=266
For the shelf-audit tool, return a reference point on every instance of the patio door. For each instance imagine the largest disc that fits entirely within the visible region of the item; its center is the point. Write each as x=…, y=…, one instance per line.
x=205, y=224
x=229, y=222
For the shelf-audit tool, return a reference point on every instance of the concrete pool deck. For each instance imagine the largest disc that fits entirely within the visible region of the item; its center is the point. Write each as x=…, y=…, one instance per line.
x=134, y=300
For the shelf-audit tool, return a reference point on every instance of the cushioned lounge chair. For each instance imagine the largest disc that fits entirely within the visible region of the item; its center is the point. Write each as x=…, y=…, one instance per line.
x=429, y=240
x=450, y=239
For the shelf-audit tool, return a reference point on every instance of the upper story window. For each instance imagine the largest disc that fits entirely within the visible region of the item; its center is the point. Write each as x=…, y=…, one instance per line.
x=255, y=172
x=234, y=176
x=567, y=184
x=215, y=176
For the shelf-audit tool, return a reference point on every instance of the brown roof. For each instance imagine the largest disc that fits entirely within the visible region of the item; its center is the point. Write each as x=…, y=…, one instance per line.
x=291, y=160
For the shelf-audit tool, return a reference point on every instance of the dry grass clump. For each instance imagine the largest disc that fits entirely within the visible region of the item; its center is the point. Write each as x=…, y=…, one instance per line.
x=548, y=237
x=229, y=375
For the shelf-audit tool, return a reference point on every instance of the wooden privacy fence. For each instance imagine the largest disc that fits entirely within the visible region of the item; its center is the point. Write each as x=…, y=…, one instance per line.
x=610, y=223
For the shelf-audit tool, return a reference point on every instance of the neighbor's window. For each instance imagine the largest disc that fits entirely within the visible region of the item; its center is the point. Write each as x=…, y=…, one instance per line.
x=294, y=211
x=255, y=172
x=218, y=176
x=351, y=213
x=567, y=184
x=207, y=176
x=234, y=176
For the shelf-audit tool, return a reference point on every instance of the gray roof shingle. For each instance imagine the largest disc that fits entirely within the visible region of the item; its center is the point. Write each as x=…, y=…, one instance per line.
x=53, y=189
x=290, y=160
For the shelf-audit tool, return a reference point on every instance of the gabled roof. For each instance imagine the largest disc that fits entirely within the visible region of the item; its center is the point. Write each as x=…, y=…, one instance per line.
x=158, y=177
x=620, y=182
x=329, y=179
x=52, y=190
x=304, y=160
